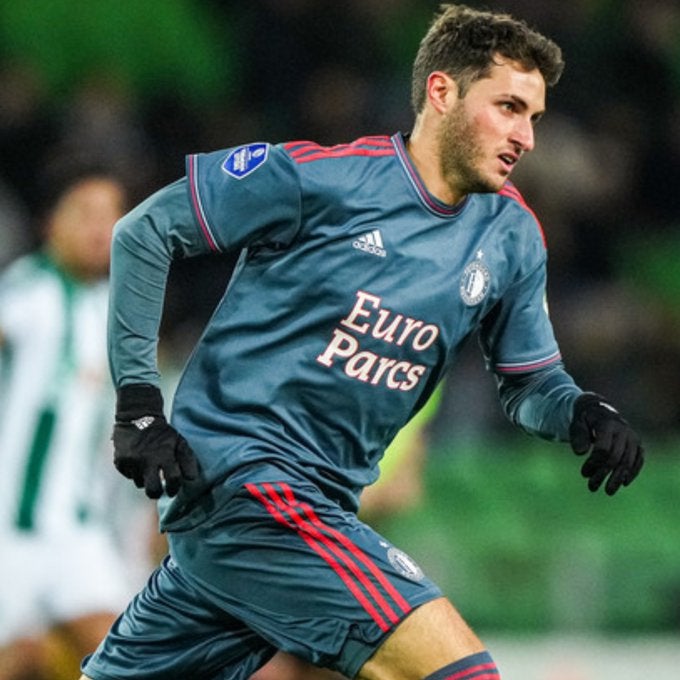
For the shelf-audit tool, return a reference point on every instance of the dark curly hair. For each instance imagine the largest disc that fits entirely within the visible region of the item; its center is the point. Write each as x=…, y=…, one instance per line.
x=463, y=42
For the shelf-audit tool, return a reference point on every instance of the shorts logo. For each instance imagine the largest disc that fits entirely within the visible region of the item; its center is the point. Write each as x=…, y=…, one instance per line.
x=474, y=284
x=405, y=565
x=246, y=159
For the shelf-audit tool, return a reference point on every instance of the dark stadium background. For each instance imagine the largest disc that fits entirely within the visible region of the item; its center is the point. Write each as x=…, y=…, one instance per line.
x=509, y=529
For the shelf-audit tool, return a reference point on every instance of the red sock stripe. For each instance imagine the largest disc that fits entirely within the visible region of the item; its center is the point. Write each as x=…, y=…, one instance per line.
x=288, y=512
x=471, y=673
x=353, y=548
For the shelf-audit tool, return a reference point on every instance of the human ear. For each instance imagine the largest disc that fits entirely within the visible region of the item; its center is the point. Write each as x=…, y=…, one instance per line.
x=441, y=91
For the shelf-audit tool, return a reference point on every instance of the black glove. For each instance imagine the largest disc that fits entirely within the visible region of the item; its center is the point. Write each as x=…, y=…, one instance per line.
x=615, y=450
x=146, y=448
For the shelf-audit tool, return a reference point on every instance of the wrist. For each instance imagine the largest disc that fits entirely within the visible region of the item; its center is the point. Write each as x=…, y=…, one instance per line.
x=587, y=399
x=138, y=400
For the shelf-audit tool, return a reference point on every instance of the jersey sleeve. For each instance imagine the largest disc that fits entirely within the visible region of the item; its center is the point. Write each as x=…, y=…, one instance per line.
x=517, y=335
x=229, y=200
x=160, y=229
x=5, y=306
x=246, y=196
x=519, y=346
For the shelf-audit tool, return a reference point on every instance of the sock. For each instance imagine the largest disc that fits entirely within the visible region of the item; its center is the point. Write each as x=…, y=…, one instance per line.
x=475, y=667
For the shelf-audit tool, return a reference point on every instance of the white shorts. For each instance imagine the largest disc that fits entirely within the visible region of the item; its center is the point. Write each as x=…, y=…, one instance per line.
x=59, y=577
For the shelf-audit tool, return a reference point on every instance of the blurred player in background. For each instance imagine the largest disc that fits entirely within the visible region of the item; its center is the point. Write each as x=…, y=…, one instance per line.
x=364, y=268
x=61, y=578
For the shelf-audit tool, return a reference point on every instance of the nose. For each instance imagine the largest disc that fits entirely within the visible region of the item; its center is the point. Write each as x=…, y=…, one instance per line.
x=523, y=135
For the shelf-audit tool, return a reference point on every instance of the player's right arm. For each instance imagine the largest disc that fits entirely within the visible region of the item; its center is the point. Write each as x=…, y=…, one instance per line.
x=229, y=200
x=145, y=242
x=223, y=204
x=146, y=448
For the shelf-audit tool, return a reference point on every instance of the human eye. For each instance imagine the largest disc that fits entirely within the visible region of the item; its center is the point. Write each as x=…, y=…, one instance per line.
x=508, y=105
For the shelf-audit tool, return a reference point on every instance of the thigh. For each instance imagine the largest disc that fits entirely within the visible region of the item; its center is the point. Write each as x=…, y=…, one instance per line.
x=306, y=575
x=170, y=631
x=431, y=638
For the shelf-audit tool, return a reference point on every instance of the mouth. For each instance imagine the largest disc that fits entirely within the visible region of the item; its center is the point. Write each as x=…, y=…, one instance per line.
x=508, y=161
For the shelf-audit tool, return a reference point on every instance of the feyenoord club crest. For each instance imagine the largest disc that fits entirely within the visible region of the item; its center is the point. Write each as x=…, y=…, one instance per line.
x=474, y=284
x=404, y=564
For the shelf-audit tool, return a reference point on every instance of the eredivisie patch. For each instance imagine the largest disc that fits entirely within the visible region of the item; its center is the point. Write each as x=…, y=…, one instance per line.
x=245, y=159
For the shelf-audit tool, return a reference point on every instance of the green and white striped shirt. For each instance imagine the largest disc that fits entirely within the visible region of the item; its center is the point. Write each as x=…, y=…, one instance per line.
x=56, y=399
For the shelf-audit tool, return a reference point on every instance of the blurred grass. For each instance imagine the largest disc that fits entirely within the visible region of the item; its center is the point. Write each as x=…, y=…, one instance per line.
x=515, y=539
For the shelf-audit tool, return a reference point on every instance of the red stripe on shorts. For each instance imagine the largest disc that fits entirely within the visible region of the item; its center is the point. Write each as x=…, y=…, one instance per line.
x=290, y=513
x=353, y=548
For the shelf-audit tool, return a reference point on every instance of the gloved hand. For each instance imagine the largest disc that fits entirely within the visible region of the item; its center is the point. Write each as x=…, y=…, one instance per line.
x=615, y=451
x=146, y=448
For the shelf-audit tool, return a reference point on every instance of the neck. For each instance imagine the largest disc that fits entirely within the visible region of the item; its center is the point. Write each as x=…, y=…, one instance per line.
x=424, y=154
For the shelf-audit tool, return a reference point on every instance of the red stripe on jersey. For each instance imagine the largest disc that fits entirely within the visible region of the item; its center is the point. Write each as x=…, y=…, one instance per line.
x=510, y=191
x=354, y=549
x=304, y=152
x=198, y=206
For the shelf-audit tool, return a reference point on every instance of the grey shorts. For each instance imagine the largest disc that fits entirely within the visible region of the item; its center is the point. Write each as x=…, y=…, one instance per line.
x=279, y=566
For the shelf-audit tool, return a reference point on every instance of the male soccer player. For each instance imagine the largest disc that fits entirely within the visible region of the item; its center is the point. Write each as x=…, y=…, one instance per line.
x=363, y=269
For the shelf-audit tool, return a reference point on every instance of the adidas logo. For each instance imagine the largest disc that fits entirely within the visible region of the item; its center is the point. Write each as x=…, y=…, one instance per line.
x=371, y=242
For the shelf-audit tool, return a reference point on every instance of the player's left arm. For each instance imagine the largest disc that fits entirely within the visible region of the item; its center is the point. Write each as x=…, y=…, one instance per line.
x=539, y=396
x=544, y=403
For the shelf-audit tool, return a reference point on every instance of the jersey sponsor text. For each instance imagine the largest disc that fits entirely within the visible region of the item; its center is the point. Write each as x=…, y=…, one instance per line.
x=368, y=318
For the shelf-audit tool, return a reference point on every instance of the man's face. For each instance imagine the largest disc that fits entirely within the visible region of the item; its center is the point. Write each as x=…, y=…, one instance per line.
x=80, y=228
x=485, y=133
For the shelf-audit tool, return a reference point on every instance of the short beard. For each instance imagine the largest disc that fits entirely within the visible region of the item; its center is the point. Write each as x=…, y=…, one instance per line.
x=460, y=153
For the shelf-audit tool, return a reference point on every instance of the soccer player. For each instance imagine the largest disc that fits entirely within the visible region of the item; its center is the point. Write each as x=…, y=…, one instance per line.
x=59, y=570
x=364, y=267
